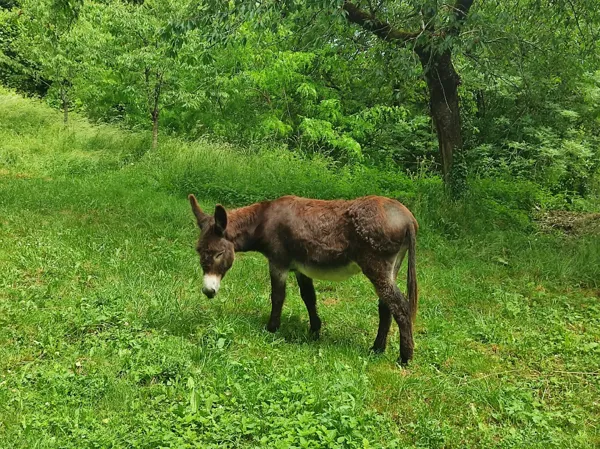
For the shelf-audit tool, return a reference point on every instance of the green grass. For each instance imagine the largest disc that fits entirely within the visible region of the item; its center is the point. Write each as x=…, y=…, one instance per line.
x=106, y=340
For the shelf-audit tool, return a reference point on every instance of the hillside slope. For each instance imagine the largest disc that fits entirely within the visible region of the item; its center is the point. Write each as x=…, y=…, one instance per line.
x=106, y=340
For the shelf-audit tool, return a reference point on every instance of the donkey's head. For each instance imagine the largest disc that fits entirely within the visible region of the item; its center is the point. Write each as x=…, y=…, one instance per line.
x=216, y=252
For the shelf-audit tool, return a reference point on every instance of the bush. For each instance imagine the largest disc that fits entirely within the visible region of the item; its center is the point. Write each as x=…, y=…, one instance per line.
x=566, y=164
x=233, y=176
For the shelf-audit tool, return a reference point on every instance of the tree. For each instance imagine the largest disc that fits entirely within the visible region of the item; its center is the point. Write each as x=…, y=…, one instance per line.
x=433, y=44
x=436, y=33
x=362, y=81
x=434, y=28
x=49, y=39
x=142, y=59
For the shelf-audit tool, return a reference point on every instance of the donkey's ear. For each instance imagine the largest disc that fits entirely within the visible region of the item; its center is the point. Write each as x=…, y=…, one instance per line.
x=220, y=219
x=201, y=217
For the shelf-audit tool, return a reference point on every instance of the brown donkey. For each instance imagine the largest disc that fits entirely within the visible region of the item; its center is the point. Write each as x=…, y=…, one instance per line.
x=330, y=240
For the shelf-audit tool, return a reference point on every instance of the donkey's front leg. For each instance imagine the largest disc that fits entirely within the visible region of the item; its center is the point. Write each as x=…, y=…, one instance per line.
x=278, y=279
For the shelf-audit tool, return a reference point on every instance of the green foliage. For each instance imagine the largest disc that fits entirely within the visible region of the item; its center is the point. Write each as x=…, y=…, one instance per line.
x=15, y=70
x=567, y=165
x=139, y=68
x=299, y=76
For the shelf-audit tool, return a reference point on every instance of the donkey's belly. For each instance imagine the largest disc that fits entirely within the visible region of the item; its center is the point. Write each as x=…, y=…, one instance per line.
x=327, y=273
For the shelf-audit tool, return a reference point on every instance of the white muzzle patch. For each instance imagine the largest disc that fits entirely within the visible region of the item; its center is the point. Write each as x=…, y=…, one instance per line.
x=211, y=284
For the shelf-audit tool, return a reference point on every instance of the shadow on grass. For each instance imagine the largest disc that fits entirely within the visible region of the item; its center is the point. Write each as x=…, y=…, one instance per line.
x=295, y=331
x=178, y=324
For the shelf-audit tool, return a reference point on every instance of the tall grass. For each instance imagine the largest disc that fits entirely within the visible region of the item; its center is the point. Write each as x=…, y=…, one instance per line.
x=236, y=176
x=495, y=216
x=34, y=142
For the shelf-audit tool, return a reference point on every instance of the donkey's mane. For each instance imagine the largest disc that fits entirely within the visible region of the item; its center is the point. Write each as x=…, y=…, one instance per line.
x=242, y=223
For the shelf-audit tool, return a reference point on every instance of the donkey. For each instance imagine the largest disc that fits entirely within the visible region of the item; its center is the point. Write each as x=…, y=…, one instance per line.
x=316, y=239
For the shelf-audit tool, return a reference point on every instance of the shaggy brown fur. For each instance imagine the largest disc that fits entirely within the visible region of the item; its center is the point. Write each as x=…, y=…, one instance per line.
x=319, y=239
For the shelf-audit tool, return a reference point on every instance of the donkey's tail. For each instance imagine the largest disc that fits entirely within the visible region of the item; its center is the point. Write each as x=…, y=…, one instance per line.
x=411, y=278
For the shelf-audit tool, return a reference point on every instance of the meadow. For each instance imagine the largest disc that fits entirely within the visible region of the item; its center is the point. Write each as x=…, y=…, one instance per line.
x=106, y=340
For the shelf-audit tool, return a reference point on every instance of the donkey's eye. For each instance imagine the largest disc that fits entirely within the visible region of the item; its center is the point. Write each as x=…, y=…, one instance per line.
x=218, y=256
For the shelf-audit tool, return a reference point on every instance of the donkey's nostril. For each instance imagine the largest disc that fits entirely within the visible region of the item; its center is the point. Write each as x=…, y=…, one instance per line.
x=210, y=292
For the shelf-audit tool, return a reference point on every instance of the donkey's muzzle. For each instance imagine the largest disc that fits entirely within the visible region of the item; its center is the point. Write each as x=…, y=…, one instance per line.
x=209, y=292
x=211, y=284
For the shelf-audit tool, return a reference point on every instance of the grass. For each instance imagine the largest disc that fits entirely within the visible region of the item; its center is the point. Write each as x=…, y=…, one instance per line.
x=106, y=340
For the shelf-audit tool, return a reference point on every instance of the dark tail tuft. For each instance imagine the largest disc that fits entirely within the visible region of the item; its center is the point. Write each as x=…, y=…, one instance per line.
x=411, y=278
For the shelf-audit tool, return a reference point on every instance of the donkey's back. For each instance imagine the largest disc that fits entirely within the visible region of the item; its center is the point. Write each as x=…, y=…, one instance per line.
x=320, y=229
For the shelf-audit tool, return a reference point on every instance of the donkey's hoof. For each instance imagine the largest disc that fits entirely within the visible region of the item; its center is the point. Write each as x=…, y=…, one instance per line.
x=315, y=326
x=402, y=363
x=377, y=349
x=272, y=327
x=315, y=334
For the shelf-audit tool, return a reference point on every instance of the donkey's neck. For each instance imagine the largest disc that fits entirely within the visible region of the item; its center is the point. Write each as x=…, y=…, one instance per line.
x=242, y=224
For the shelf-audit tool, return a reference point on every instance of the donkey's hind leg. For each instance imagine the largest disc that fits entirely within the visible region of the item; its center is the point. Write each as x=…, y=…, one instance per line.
x=382, y=276
x=385, y=320
x=307, y=291
x=385, y=316
x=399, y=260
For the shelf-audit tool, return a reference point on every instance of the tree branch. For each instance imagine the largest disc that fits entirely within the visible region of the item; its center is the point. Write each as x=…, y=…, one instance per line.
x=576, y=19
x=378, y=27
x=461, y=9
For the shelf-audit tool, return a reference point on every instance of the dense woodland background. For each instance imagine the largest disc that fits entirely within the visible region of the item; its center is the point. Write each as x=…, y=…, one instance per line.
x=513, y=86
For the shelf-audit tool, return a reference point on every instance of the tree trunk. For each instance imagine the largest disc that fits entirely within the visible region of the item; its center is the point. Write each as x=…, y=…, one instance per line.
x=443, y=82
x=65, y=104
x=155, y=114
x=154, y=104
